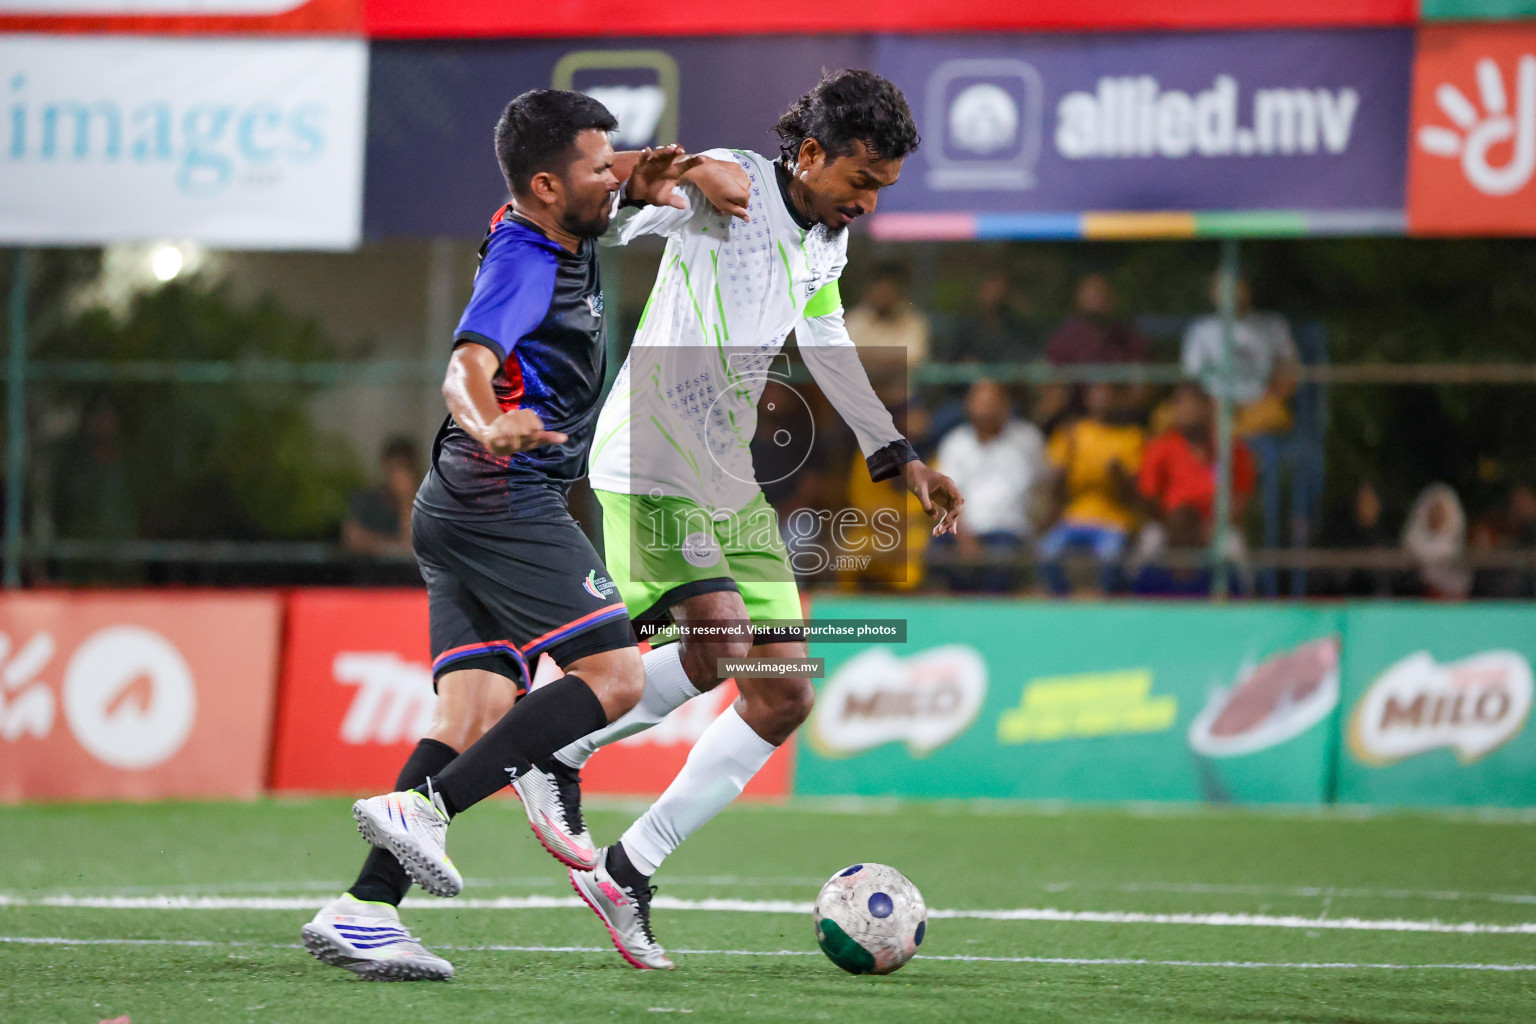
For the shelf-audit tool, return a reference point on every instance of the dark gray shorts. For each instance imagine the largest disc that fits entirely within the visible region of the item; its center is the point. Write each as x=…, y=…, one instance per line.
x=501, y=592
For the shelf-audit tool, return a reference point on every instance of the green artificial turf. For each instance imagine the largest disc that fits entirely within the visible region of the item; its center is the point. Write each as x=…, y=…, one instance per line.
x=245, y=964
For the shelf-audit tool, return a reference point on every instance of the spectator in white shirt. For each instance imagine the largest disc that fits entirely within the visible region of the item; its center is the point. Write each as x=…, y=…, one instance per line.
x=998, y=461
x=1263, y=368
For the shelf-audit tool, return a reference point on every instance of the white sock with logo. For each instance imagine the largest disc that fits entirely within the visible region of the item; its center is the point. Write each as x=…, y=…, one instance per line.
x=666, y=689
x=718, y=769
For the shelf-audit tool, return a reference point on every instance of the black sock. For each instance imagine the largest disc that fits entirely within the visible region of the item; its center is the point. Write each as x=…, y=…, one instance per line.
x=538, y=725
x=382, y=879
x=623, y=871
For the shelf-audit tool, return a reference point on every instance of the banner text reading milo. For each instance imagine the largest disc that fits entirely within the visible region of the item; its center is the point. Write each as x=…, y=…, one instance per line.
x=1039, y=701
x=1437, y=704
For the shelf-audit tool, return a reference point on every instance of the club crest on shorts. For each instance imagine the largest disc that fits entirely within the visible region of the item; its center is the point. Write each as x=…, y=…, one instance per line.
x=600, y=587
x=595, y=304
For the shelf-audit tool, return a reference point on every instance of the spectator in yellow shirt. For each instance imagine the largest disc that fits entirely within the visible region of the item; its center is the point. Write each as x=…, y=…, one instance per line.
x=1095, y=460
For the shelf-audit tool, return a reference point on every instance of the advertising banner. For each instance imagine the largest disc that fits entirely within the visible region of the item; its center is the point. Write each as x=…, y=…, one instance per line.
x=1107, y=703
x=356, y=689
x=1476, y=10
x=136, y=695
x=240, y=144
x=1472, y=156
x=432, y=108
x=1437, y=703
x=1223, y=121
x=356, y=695
x=470, y=18
x=169, y=17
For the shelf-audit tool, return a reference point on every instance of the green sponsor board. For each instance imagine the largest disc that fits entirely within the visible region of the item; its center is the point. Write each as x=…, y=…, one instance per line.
x=1476, y=10
x=1032, y=700
x=1436, y=705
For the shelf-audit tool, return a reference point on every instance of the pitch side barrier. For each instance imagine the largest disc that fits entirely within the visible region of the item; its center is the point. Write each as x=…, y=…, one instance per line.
x=152, y=695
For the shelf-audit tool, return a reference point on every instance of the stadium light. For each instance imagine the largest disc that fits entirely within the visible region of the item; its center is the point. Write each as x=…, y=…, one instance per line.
x=166, y=262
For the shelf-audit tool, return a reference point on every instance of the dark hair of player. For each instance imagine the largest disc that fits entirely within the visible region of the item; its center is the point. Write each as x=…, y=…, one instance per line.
x=850, y=106
x=538, y=130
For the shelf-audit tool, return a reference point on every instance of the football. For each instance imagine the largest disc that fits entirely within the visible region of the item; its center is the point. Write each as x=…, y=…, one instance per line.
x=870, y=919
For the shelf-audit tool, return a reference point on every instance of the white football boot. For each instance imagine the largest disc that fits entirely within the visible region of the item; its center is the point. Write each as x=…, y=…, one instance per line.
x=625, y=912
x=369, y=940
x=415, y=830
x=551, y=796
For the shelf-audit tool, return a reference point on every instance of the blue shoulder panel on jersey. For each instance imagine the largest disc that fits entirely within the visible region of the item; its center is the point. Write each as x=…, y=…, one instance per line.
x=513, y=288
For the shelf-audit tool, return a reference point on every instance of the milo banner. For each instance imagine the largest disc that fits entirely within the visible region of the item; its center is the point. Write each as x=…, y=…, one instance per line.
x=1437, y=701
x=1069, y=702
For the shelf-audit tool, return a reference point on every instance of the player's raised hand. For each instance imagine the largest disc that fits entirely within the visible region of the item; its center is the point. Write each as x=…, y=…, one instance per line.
x=518, y=431
x=724, y=183
x=656, y=174
x=938, y=494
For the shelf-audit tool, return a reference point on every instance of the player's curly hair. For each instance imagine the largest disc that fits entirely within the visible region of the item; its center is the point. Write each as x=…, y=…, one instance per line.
x=850, y=106
x=538, y=129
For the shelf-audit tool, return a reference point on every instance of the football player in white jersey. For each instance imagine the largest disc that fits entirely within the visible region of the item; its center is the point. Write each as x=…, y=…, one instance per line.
x=688, y=534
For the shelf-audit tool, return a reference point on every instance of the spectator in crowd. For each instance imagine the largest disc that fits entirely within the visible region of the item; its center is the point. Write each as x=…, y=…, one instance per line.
x=1362, y=529
x=1435, y=538
x=886, y=325
x=379, y=518
x=879, y=535
x=1093, y=335
x=998, y=462
x=993, y=331
x=1095, y=460
x=1511, y=527
x=1178, y=479
x=1262, y=369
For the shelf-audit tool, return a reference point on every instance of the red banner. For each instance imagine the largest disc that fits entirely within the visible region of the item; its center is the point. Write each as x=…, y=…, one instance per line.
x=574, y=18
x=356, y=690
x=179, y=17
x=356, y=695
x=1472, y=148
x=136, y=695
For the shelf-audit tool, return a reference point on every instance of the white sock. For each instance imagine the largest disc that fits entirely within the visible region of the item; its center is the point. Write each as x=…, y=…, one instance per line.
x=666, y=689
x=718, y=769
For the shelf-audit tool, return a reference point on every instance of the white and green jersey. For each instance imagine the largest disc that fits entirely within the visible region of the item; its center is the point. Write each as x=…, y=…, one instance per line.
x=683, y=409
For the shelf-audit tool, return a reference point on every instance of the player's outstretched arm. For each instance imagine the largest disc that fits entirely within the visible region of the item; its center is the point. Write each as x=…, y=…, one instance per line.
x=834, y=362
x=472, y=402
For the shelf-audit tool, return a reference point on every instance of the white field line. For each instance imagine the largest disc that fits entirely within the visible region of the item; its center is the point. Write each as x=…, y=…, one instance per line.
x=1046, y=914
x=736, y=881
x=1060, y=961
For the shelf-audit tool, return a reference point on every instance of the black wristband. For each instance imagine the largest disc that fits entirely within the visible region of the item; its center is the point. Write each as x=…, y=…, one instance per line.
x=887, y=462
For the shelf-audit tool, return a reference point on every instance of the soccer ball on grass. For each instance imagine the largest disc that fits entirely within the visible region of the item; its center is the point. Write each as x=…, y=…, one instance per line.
x=870, y=919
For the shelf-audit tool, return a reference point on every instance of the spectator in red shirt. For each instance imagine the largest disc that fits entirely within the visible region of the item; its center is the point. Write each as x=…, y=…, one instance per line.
x=1178, y=467
x=1178, y=481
